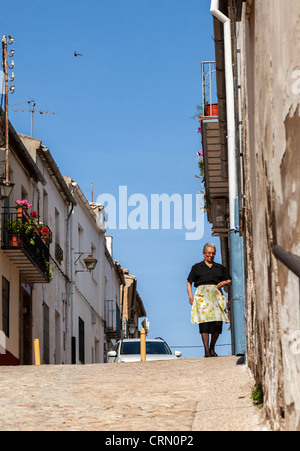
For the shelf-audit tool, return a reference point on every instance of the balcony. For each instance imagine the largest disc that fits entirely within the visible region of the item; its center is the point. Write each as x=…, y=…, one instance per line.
x=113, y=320
x=26, y=245
x=214, y=148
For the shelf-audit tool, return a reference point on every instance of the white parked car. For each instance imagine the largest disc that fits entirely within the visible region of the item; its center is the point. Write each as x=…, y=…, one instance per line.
x=129, y=350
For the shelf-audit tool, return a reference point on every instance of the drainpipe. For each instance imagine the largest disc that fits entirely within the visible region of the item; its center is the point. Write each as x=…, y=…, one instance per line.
x=69, y=289
x=229, y=109
x=236, y=241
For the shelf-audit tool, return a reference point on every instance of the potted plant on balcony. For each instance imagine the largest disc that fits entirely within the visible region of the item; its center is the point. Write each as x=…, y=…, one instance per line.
x=14, y=229
x=30, y=231
x=22, y=206
x=46, y=235
x=19, y=229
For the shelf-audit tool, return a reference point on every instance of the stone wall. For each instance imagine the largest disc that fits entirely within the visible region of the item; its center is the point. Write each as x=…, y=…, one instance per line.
x=270, y=94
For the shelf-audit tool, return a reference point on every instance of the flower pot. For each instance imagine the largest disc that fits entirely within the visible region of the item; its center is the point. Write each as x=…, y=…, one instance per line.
x=21, y=211
x=212, y=110
x=15, y=241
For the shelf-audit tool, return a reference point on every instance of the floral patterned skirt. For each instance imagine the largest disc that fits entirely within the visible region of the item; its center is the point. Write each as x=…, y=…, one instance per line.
x=209, y=305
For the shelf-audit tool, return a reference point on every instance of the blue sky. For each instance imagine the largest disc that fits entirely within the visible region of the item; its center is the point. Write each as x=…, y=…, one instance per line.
x=122, y=118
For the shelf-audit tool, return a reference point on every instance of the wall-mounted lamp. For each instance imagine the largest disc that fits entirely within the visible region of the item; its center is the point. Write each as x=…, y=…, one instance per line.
x=5, y=189
x=132, y=329
x=89, y=261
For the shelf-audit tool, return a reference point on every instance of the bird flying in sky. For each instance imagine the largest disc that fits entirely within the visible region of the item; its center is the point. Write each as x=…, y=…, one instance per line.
x=77, y=54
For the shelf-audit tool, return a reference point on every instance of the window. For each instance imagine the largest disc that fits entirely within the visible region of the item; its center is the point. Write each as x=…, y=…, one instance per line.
x=45, y=207
x=38, y=196
x=80, y=238
x=152, y=347
x=94, y=273
x=57, y=232
x=24, y=194
x=59, y=253
x=5, y=306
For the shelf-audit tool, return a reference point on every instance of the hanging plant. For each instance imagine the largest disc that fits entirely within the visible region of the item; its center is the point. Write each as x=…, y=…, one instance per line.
x=201, y=167
x=198, y=113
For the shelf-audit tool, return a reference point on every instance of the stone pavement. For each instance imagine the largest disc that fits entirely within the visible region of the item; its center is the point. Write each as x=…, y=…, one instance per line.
x=183, y=395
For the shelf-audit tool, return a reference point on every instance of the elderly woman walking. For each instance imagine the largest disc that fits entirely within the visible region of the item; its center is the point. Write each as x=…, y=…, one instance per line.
x=209, y=303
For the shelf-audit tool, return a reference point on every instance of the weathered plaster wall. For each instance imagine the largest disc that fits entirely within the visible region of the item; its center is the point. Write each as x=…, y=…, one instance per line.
x=270, y=54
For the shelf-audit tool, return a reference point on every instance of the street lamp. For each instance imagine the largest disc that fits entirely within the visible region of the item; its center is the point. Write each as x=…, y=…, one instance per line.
x=132, y=329
x=89, y=261
x=5, y=189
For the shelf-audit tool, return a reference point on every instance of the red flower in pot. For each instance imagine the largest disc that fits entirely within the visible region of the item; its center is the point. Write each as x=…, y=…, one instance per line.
x=46, y=235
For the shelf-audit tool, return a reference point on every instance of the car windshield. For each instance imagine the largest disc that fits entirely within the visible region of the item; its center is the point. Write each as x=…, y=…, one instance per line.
x=152, y=347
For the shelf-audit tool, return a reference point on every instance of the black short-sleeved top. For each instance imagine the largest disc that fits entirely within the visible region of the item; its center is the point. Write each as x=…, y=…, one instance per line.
x=202, y=274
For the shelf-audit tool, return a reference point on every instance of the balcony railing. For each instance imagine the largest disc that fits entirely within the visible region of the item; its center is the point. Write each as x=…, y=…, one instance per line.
x=113, y=320
x=209, y=84
x=26, y=244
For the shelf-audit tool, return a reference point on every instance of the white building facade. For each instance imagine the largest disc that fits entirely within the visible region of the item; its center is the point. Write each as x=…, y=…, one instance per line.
x=47, y=291
x=87, y=288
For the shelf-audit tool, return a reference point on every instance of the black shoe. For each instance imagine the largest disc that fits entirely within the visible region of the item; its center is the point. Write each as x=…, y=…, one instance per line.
x=212, y=353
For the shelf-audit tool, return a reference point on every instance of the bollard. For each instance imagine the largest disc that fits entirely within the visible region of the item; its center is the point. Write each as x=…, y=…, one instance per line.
x=37, y=354
x=143, y=345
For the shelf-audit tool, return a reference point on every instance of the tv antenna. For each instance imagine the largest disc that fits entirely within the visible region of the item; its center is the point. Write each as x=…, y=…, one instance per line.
x=32, y=111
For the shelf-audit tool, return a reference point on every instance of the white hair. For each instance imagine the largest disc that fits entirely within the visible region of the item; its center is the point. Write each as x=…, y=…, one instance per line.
x=209, y=245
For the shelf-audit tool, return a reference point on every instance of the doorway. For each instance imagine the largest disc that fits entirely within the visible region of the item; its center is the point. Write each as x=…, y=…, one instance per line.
x=26, y=325
x=57, y=339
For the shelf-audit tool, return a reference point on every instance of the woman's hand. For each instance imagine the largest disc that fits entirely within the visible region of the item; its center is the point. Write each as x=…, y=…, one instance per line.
x=190, y=292
x=222, y=284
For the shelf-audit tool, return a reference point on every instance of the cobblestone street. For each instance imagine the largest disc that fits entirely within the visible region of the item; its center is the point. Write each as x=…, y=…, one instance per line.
x=183, y=395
